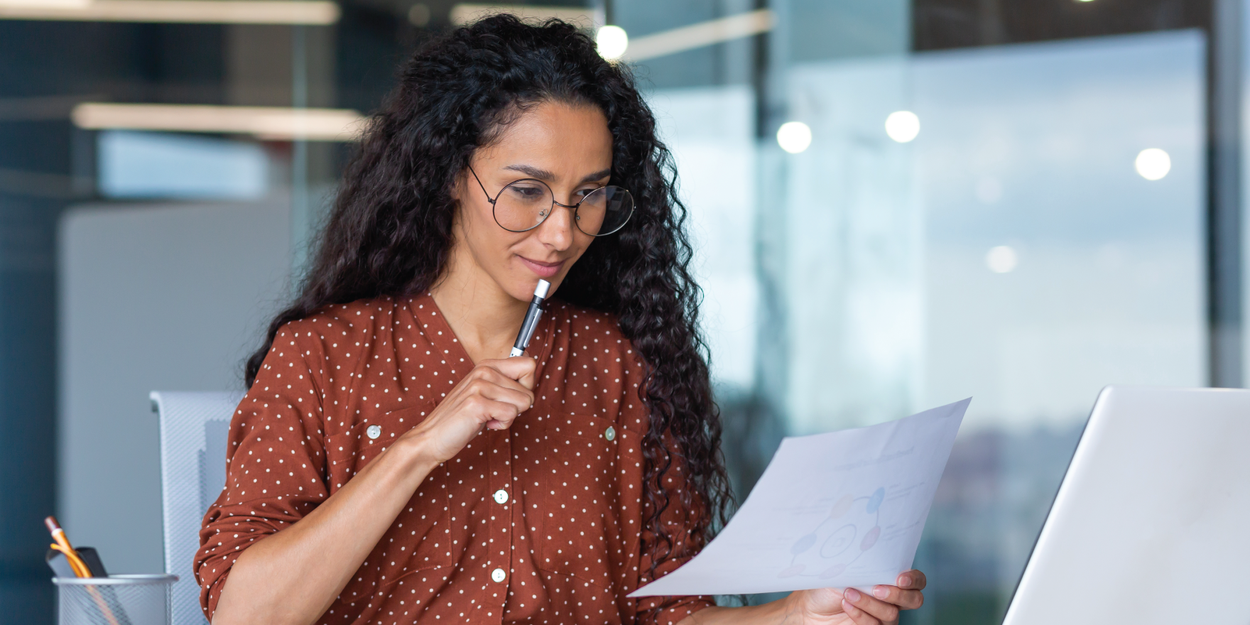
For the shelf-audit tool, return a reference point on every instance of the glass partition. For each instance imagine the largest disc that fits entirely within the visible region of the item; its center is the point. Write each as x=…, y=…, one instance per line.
x=1022, y=224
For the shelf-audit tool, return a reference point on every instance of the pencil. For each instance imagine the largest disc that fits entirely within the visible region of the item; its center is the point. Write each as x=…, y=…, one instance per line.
x=80, y=568
x=62, y=544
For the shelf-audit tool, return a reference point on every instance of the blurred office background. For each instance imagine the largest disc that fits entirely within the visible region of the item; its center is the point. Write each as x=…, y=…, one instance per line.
x=896, y=204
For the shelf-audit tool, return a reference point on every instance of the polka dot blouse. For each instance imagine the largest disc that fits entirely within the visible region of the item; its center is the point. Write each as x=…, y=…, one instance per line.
x=540, y=523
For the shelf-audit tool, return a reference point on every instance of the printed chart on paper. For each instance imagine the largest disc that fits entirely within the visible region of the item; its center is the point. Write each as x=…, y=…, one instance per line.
x=843, y=509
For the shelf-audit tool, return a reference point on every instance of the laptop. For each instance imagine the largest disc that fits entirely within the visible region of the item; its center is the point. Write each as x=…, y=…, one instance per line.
x=1152, y=520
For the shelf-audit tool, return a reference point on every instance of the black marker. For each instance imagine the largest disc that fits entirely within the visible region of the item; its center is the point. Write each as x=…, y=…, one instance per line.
x=531, y=319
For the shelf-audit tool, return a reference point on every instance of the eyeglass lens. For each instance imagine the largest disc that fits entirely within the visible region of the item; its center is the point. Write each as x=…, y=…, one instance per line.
x=524, y=204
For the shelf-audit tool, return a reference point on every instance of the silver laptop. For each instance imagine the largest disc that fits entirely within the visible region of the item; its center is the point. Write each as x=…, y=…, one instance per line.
x=1152, y=520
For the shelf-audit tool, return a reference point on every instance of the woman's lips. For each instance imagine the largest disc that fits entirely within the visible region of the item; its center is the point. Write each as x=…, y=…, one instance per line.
x=544, y=270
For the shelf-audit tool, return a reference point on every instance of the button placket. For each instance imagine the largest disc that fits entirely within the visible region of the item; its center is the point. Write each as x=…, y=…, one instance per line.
x=501, y=515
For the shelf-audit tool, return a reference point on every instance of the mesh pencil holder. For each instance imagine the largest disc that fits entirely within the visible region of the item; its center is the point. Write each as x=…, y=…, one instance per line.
x=114, y=600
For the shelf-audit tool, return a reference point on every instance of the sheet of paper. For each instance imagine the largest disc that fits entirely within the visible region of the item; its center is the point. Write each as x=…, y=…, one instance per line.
x=843, y=509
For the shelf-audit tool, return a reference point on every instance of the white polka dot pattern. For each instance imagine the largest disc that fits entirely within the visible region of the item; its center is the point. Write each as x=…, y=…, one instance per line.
x=551, y=505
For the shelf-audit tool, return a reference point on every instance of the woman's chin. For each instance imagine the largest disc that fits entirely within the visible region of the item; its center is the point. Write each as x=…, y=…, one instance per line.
x=520, y=285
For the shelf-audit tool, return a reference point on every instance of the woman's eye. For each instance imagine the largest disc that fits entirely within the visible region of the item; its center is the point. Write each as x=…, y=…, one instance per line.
x=527, y=193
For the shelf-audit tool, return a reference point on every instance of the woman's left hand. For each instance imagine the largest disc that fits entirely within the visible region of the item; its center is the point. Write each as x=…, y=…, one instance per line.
x=834, y=607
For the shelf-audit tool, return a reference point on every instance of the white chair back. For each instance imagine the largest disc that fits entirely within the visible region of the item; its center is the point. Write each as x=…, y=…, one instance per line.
x=194, y=428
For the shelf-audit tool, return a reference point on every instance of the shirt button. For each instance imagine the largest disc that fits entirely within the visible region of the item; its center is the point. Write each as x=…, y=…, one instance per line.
x=501, y=496
x=609, y=433
x=374, y=431
x=498, y=575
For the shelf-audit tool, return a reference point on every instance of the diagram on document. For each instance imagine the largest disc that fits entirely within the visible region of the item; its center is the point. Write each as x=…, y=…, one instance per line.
x=835, y=510
x=851, y=528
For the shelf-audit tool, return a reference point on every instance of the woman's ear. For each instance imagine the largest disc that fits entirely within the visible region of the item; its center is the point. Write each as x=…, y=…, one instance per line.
x=458, y=196
x=458, y=188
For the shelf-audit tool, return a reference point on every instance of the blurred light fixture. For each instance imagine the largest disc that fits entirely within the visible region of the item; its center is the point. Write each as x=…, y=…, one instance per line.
x=464, y=14
x=1153, y=163
x=794, y=137
x=59, y=4
x=612, y=41
x=419, y=15
x=266, y=123
x=1001, y=259
x=701, y=34
x=302, y=12
x=902, y=126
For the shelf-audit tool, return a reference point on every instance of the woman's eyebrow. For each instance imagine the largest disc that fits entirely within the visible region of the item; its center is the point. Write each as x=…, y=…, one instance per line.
x=542, y=174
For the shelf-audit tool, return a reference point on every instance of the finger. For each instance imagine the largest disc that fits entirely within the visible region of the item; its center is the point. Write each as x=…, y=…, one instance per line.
x=522, y=399
x=879, y=610
x=905, y=599
x=496, y=415
x=493, y=383
x=520, y=368
x=860, y=617
x=911, y=580
x=528, y=380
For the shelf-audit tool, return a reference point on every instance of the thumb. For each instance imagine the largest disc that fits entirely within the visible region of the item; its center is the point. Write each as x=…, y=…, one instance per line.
x=823, y=601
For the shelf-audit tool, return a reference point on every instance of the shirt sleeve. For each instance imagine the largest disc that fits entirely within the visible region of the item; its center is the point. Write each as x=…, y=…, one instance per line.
x=682, y=525
x=275, y=471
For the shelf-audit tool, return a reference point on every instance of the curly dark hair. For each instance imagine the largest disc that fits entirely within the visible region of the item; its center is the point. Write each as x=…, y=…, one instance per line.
x=390, y=232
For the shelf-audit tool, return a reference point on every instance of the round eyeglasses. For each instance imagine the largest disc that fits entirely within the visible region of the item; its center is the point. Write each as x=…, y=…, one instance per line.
x=525, y=204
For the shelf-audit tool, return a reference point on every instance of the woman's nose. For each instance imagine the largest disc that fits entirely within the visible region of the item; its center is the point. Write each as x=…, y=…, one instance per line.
x=557, y=230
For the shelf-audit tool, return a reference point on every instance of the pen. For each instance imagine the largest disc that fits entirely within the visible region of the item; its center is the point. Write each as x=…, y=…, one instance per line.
x=531, y=319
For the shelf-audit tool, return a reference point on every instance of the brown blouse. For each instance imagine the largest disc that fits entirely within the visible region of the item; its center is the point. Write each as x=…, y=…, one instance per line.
x=540, y=523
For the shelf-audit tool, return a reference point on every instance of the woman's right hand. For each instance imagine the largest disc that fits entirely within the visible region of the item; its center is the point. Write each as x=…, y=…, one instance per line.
x=491, y=396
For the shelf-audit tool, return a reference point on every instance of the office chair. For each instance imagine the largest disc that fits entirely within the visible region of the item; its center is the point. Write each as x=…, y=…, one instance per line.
x=194, y=429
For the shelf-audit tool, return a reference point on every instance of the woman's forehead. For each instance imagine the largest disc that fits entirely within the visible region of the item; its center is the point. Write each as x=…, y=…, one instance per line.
x=565, y=140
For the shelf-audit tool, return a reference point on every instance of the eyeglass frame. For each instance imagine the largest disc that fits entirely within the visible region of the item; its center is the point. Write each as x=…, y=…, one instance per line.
x=554, y=203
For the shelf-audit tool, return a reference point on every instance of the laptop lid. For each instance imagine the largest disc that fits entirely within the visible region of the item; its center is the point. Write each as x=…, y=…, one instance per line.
x=1151, y=523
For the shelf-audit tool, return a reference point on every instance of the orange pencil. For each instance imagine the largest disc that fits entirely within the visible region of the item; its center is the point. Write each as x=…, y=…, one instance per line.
x=62, y=544
x=80, y=568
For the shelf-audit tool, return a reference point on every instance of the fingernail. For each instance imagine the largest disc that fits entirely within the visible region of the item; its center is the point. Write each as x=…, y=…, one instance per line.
x=851, y=594
x=904, y=580
x=880, y=592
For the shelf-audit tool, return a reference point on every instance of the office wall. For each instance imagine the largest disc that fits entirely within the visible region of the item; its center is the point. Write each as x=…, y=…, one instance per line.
x=152, y=297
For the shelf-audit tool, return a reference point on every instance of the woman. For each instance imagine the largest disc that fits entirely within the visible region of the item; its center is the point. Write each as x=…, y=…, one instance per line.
x=388, y=465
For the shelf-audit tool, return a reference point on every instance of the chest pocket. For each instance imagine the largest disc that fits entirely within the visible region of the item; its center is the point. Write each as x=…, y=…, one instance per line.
x=576, y=496
x=420, y=537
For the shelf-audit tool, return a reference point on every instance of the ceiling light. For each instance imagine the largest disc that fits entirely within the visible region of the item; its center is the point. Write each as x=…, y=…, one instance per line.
x=902, y=126
x=59, y=4
x=1153, y=163
x=464, y=14
x=794, y=137
x=701, y=34
x=419, y=15
x=263, y=122
x=612, y=41
x=304, y=12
